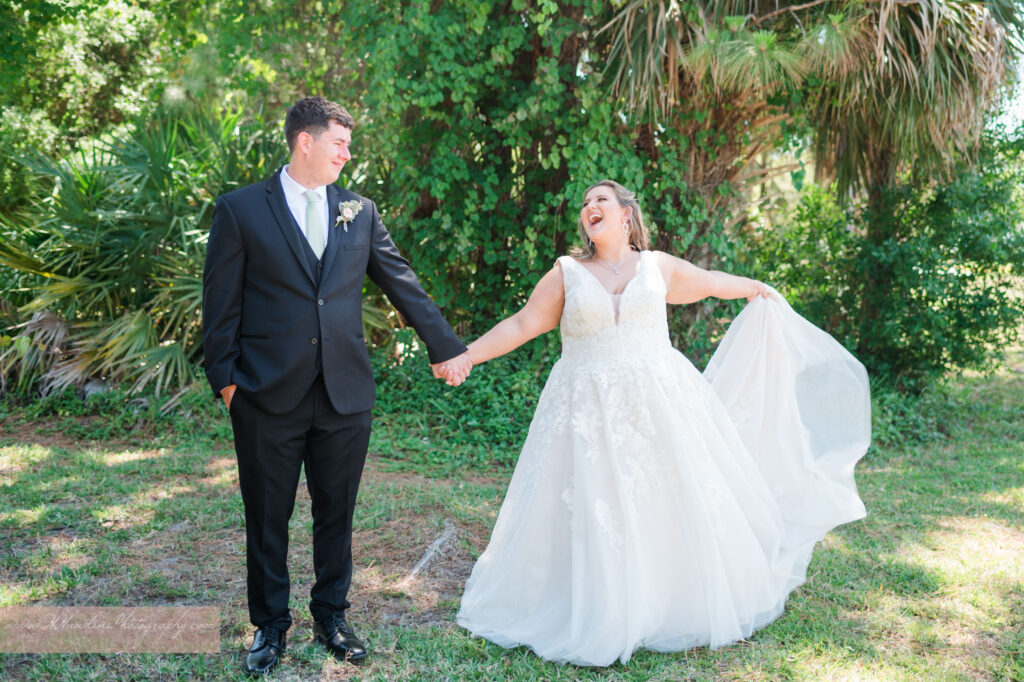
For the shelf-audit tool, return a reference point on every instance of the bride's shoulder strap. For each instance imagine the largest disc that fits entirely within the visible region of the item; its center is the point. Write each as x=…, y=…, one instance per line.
x=567, y=263
x=569, y=266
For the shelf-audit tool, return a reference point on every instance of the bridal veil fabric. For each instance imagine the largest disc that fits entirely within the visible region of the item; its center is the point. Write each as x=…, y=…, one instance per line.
x=656, y=507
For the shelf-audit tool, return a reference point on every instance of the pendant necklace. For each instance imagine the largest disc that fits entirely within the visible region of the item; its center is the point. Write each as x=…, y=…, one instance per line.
x=613, y=268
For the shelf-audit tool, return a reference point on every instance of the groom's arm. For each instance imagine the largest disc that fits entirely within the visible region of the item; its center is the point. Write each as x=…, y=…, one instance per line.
x=223, y=275
x=391, y=272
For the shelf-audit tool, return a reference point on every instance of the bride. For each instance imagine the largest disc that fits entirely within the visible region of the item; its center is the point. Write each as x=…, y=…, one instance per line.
x=653, y=506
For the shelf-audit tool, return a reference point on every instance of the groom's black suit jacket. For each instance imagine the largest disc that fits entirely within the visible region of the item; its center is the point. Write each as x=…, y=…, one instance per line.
x=273, y=318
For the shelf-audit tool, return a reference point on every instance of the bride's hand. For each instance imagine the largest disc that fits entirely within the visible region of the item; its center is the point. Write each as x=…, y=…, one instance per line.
x=455, y=371
x=760, y=289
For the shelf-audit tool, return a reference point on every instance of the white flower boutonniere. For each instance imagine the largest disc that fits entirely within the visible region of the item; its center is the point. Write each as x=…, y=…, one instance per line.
x=347, y=211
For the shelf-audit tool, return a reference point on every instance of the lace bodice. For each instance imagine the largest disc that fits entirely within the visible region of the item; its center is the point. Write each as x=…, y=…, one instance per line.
x=589, y=327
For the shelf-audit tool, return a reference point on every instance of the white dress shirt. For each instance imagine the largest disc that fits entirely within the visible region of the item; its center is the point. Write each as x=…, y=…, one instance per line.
x=297, y=203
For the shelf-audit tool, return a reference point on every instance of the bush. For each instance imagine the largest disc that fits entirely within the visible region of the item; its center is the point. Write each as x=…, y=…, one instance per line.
x=115, y=253
x=482, y=423
x=925, y=281
x=21, y=133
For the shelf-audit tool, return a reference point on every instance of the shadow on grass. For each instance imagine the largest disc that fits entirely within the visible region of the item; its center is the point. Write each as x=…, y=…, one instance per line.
x=164, y=526
x=136, y=515
x=119, y=527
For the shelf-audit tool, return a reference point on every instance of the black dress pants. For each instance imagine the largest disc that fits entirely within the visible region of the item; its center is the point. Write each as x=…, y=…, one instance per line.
x=271, y=449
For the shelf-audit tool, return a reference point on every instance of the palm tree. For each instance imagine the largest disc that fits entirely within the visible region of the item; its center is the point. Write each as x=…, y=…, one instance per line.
x=885, y=81
x=883, y=87
x=115, y=253
x=113, y=257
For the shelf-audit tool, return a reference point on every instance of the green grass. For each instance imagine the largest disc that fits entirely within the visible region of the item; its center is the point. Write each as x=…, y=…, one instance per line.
x=101, y=505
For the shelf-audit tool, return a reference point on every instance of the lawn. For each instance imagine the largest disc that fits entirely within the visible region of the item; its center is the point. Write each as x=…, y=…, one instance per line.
x=103, y=505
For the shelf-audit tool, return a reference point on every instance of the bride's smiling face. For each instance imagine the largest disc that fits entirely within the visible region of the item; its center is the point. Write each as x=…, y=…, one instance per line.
x=602, y=215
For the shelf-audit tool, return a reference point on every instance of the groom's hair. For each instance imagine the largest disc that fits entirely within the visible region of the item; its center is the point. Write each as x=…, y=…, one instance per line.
x=314, y=115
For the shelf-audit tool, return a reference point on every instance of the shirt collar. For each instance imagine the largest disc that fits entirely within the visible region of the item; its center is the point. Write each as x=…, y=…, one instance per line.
x=292, y=189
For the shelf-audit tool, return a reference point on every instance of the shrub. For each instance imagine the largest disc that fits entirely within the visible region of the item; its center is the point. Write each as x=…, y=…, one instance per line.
x=482, y=423
x=115, y=253
x=932, y=286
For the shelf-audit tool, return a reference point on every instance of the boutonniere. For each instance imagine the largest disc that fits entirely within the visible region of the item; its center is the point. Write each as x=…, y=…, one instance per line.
x=347, y=211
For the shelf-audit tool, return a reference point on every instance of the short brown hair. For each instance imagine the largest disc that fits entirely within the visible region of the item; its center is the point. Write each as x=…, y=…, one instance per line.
x=313, y=115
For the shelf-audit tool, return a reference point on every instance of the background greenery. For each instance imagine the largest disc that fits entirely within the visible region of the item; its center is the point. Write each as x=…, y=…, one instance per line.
x=480, y=124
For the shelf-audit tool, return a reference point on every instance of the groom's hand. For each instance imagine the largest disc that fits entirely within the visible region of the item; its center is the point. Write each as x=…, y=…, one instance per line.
x=227, y=393
x=454, y=371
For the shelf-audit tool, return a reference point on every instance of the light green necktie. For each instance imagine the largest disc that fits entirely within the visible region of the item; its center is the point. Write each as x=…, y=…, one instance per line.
x=314, y=223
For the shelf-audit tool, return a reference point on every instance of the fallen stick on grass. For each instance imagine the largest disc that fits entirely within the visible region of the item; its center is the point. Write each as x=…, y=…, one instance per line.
x=446, y=537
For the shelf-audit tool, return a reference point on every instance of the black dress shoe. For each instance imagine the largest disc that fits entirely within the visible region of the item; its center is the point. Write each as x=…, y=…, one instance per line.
x=338, y=638
x=265, y=652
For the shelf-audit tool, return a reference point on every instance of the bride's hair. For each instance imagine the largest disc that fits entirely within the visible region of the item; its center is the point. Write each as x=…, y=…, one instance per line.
x=639, y=236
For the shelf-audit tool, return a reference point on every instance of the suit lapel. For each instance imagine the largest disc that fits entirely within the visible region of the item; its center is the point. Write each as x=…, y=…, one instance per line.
x=333, y=235
x=285, y=221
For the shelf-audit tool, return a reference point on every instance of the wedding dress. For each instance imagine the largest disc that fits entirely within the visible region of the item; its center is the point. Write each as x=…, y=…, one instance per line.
x=656, y=507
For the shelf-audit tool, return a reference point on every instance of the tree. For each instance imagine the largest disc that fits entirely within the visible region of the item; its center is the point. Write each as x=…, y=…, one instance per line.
x=879, y=82
x=892, y=91
x=74, y=69
x=954, y=262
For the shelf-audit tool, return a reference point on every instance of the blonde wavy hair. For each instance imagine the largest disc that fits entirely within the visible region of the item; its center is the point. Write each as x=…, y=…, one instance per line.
x=639, y=236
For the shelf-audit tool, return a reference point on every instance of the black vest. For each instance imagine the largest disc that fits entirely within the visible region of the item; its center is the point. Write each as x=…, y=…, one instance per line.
x=316, y=265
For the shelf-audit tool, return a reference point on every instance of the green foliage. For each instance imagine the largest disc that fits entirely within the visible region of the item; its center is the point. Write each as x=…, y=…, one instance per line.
x=423, y=424
x=483, y=125
x=925, y=280
x=480, y=124
x=20, y=27
x=900, y=418
x=277, y=51
x=116, y=251
x=75, y=69
x=89, y=63
x=22, y=132
x=479, y=164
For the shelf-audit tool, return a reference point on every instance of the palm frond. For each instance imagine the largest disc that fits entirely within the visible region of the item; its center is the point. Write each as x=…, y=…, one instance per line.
x=119, y=246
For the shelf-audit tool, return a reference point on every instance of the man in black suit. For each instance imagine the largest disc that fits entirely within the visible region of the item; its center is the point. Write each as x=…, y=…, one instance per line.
x=282, y=337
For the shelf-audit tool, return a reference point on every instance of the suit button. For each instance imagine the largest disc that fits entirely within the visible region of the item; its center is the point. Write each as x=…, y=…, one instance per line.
x=313, y=340
x=320, y=301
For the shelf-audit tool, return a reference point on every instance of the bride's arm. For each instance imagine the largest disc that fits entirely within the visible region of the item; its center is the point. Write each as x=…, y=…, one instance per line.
x=688, y=283
x=541, y=314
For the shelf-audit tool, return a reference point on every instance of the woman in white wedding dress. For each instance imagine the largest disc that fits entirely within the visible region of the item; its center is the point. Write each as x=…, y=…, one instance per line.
x=653, y=506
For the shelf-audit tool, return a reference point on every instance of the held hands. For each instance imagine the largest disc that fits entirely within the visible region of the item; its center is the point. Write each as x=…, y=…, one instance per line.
x=454, y=371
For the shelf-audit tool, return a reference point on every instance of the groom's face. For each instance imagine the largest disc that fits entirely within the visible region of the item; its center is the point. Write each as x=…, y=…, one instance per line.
x=327, y=153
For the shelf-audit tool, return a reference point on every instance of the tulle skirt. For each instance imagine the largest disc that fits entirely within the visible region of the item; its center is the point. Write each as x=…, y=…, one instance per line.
x=656, y=507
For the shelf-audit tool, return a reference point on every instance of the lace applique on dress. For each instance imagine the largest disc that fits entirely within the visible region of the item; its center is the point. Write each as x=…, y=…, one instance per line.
x=636, y=515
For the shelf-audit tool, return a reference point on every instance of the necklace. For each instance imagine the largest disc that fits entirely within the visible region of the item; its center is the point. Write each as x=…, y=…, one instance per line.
x=613, y=268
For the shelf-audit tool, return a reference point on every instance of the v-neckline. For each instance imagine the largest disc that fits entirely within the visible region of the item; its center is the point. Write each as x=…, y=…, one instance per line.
x=609, y=294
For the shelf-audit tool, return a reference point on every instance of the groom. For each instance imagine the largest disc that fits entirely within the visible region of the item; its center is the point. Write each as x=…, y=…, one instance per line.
x=282, y=337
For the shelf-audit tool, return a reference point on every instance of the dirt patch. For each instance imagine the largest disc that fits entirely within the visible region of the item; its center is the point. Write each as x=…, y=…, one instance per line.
x=377, y=472
x=384, y=556
x=33, y=433
x=45, y=434
x=202, y=561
